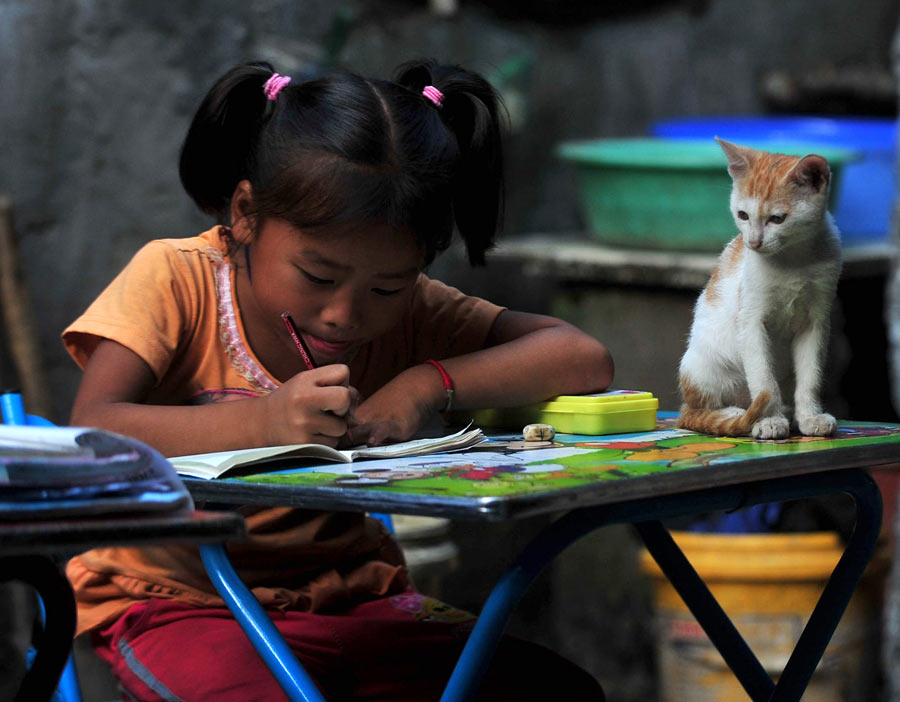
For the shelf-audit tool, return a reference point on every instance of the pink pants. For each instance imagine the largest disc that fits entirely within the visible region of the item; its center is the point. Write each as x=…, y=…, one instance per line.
x=396, y=648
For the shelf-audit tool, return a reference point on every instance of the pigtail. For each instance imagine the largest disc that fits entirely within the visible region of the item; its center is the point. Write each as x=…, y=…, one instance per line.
x=344, y=150
x=218, y=150
x=471, y=110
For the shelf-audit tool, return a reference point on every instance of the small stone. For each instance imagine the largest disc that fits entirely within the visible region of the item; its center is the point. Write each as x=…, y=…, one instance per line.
x=538, y=432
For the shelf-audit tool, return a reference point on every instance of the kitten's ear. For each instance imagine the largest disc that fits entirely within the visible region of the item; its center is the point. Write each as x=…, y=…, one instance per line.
x=739, y=158
x=810, y=172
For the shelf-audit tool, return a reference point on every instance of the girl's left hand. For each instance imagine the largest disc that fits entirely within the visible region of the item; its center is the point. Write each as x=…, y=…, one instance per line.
x=398, y=410
x=374, y=434
x=371, y=427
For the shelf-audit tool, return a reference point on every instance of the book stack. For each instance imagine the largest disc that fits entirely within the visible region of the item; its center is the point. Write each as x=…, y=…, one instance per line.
x=54, y=472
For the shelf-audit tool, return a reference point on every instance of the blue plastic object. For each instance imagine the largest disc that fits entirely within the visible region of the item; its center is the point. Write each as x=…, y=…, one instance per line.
x=12, y=409
x=868, y=187
x=385, y=519
x=758, y=519
x=297, y=684
x=68, y=689
x=12, y=412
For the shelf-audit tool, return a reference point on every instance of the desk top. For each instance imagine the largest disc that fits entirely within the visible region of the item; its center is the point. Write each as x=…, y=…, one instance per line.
x=81, y=534
x=501, y=479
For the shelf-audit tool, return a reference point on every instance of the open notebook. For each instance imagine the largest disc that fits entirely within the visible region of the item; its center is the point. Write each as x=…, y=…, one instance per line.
x=215, y=465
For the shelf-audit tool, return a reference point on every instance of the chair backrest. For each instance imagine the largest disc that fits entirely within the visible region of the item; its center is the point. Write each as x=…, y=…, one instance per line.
x=13, y=412
x=384, y=519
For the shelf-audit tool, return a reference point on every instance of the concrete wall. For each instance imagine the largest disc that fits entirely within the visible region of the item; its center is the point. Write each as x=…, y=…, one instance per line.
x=891, y=646
x=97, y=94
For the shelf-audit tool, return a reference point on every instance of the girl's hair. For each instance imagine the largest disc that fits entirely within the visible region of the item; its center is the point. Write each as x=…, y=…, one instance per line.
x=342, y=150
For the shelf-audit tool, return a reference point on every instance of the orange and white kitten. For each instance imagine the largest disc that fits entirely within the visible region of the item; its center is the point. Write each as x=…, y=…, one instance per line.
x=760, y=328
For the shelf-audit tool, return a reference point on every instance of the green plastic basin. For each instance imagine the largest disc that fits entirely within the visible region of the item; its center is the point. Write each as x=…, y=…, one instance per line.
x=668, y=193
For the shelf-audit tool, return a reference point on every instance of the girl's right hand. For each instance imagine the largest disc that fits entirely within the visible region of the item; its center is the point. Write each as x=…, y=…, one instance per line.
x=314, y=406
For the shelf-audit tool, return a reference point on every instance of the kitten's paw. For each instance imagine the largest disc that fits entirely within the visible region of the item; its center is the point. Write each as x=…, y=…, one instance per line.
x=817, y=425
x=772, y=428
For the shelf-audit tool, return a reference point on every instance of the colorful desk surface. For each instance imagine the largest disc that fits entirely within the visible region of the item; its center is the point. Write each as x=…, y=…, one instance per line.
x=506, y=478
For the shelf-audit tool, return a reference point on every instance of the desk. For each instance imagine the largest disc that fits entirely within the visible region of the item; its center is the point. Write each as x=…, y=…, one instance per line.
x=66, y=490
x=77, y=535
x=599, y=480
x=25, y=548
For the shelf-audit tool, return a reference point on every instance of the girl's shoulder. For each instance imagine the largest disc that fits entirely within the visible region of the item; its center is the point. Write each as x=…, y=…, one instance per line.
x=432, y=288
x=191, y=256
x=429, y=291
x=433, y=300
x=210, y=244
x=169, y=263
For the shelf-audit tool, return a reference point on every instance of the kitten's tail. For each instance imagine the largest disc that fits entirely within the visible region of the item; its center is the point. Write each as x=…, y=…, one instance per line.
x=719, y=423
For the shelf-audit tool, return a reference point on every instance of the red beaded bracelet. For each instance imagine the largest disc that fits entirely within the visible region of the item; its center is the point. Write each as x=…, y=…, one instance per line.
x=448, y=383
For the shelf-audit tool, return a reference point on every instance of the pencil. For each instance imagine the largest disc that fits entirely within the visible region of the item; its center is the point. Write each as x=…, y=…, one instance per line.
x=298, y=340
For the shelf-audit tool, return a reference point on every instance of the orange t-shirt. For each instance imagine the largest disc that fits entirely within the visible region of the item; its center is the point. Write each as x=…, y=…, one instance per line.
x=174, y=305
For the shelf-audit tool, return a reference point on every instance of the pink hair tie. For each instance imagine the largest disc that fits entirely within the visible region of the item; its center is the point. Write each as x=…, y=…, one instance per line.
x=433, y=94
x=274, y=85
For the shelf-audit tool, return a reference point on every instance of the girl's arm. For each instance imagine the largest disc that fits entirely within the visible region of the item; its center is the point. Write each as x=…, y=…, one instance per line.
x=527, y=358
x=311, y=407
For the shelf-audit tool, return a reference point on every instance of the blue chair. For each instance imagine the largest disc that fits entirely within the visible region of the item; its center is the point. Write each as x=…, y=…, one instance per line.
x=12, y=411
x=297, y=684
x=68, y=689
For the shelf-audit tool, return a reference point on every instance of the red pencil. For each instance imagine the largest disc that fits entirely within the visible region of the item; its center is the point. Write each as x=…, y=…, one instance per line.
x=298, y=341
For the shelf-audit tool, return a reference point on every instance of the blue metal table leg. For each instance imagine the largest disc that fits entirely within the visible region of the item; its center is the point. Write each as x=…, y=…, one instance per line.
x=479, y=648
x=555, y=538
x=483, y=640
x=477, y=653
x=828, y=610
x=838, y=591
x=265, y=637
x=707, y=611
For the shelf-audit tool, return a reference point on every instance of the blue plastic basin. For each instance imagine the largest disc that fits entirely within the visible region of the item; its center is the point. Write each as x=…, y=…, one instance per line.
x=867, y=190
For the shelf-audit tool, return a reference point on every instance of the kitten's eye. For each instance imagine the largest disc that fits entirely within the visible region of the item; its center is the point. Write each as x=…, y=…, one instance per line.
x=777, y=219
x=743, y=215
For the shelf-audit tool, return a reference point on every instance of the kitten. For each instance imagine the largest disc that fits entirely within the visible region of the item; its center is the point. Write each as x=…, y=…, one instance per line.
x=760, y=328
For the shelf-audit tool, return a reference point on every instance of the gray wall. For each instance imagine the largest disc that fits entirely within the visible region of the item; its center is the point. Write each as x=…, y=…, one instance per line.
x=891, y=646
x=96, y=96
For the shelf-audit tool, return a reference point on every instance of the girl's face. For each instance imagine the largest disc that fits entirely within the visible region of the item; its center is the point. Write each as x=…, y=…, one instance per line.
x=341, y=289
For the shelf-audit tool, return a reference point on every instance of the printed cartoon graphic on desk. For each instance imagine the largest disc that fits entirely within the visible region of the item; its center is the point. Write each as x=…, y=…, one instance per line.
x=760, y=328
x=217, y=464
x=498, y=467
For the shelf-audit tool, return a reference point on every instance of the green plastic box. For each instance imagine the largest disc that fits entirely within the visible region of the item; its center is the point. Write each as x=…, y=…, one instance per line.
x=612, y=412
x=668, y=193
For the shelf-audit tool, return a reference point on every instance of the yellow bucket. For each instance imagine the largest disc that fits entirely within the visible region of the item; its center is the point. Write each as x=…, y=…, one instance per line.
x=768, y=585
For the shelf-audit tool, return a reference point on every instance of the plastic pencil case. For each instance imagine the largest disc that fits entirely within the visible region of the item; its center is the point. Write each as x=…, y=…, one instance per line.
x=613, y=412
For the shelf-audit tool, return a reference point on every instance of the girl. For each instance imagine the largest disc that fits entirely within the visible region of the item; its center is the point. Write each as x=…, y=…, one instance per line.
x=339, y=191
